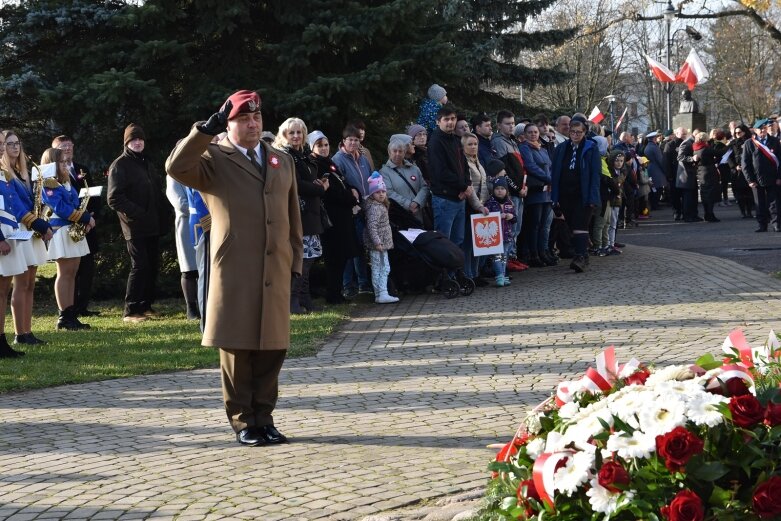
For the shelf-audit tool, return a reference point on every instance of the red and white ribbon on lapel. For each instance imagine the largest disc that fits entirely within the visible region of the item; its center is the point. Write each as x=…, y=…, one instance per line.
x=765, y=151
x=544, y=470
x=737, y=340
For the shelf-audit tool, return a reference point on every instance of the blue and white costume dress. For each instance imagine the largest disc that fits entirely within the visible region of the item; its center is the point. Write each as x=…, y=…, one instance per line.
x=34, y=250
x=63, y=199
x=13, y=263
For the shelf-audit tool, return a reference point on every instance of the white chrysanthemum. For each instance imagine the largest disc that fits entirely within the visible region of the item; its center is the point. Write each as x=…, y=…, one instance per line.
x=582, y=431
x=533, y=425
x=535, y=447
x=568, y=410
x=626, y=406
x=684, y=389
x=702, y=409
x=638, y=445
x=673, y=372
x=576, y=472
x=554, y=442
x=662, y=416
x=604, y=501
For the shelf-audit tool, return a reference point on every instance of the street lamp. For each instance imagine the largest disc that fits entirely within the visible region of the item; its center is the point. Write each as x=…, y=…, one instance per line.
x=611, y=99
x=669, y=16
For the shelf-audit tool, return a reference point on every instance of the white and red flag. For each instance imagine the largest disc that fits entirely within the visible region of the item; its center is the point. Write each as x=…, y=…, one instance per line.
x=661, y=72
x=596, y=115
x=621, y=119
x=693, y=71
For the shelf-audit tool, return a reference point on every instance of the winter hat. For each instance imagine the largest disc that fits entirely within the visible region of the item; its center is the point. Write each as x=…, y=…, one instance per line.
x=493, y=167
x=414, y=130
x=519, y=128
x=601, y=144
x=578, y=117
x=376, y=184
x=243, y=101
x=668, y=133
x=404, y=138
x=313, y=137
x=436, y=92
x=132, y=132
x=500, y=181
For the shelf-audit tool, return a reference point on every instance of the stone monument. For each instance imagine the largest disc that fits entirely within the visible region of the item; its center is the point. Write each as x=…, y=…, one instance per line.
x=689, y=115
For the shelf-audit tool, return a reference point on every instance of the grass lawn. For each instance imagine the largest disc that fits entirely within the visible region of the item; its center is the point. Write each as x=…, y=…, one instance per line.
x=113, y=349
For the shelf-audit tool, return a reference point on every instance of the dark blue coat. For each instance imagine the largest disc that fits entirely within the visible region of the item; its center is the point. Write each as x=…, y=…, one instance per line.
x=590, y=170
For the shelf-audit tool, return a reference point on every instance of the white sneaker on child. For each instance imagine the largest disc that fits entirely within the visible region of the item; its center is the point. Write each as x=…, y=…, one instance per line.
x=385, y=298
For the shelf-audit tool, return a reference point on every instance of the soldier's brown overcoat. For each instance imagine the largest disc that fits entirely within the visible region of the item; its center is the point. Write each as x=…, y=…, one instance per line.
x=256, y=239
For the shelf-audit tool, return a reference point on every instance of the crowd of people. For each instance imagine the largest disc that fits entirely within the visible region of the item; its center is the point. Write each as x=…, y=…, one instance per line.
x=562, y=191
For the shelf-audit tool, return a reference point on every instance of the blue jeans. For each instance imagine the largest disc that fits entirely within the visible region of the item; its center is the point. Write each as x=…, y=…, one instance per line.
x=518, y=204
x=449, y=218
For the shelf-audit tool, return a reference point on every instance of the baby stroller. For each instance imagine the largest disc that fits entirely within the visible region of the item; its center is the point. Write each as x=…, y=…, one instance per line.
x=429, y=259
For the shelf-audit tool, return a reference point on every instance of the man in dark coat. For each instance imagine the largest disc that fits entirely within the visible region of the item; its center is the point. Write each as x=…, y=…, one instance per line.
x=760, y=164
x=450, y=181
x=686, y=180
x=257, y=246
x=80, y=178
x=135, y=193
x=670, y=153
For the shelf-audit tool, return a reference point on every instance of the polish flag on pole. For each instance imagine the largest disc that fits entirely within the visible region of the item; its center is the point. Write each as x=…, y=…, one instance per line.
x=621, y=119
x=596, y=115
x=693, y=71
x=661, y=72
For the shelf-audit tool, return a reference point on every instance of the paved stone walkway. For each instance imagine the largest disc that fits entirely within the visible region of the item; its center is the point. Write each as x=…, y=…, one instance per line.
x=397, y=407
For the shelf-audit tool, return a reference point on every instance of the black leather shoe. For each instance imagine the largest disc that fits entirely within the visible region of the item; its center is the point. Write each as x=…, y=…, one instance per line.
x=271, y=434
x=251, y=436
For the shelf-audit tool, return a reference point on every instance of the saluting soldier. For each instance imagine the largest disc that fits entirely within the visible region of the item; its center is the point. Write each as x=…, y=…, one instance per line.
x=256, y=246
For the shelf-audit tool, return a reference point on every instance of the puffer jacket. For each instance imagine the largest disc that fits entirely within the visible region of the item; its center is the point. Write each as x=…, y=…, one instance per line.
x=378, y=230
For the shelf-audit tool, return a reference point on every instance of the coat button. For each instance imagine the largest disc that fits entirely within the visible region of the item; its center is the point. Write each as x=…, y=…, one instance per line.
x=268, y=221
x=268, y=283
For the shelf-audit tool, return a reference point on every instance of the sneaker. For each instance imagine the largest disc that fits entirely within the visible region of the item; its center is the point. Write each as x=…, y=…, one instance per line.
x=365, y=291
x=614, y=251
x=602, y=252
x=619, y=245
x=135, y=318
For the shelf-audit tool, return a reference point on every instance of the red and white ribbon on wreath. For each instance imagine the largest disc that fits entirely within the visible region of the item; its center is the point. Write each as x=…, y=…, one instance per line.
x=599, y=379
x=543, y=473
x=729, y=372
x=737, y=340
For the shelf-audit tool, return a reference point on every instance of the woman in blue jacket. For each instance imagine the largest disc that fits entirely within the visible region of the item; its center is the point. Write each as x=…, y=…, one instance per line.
x=538, y=200
x=63, y=200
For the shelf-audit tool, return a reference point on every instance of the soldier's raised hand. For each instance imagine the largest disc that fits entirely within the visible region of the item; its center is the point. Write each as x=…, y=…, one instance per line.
x=218, y=121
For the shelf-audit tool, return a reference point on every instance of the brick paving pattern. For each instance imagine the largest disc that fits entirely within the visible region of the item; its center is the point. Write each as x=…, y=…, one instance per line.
x=397, y=407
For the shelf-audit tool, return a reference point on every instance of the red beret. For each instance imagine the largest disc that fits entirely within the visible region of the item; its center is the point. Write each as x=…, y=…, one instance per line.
x=243, y=101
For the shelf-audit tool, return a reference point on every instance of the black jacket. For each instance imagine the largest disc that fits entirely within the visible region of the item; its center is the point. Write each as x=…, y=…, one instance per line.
x=670, y=155
x=756, y=166
x=135, y=193
x=339, y=202
x=447, y=165
x=309, y=193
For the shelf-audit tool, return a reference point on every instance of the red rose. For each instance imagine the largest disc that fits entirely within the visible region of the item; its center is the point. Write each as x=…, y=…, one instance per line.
x=638, y=377
x=677, y=447
x=746, y=410
x=612, y=474
x=767, y=498
x=685, y=506
x=732, y=387
x=773, y=414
